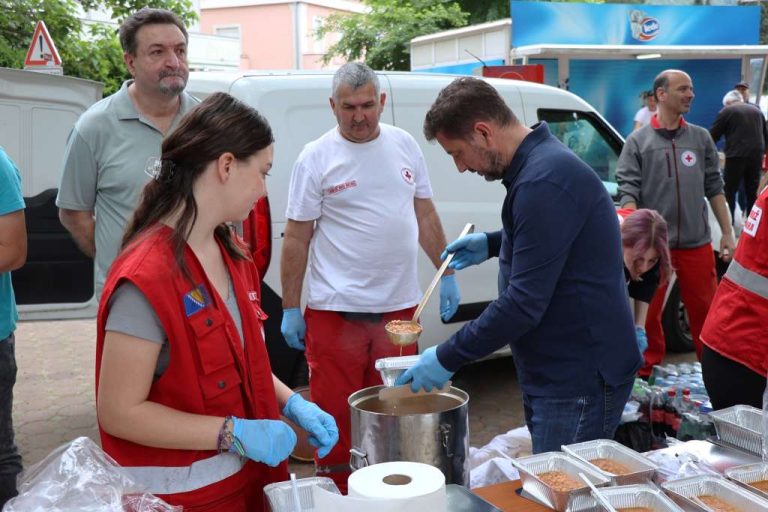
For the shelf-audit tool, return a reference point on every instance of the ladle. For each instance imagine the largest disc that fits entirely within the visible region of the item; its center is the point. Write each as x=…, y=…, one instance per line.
x=413, y=329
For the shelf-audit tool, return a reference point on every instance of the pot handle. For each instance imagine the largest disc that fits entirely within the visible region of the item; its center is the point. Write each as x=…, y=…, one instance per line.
x=355, y=457
x=446, y=439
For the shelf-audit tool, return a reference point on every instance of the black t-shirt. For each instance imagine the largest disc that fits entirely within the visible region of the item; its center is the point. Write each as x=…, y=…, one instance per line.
x=644, y=289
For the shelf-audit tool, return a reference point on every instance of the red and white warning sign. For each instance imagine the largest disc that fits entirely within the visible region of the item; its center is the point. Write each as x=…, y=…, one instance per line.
x=42, y=52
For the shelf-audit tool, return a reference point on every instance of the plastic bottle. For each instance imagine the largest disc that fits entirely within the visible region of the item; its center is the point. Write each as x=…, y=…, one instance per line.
x=707, y=428
x=658, y=422
x=671, y=414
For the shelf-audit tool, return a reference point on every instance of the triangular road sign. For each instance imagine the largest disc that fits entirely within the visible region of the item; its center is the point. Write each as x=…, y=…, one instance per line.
x=42, y=51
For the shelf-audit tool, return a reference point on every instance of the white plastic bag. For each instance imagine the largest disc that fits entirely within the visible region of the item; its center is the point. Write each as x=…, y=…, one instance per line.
x=490, y=464
x=513, y=444
x=80, y=477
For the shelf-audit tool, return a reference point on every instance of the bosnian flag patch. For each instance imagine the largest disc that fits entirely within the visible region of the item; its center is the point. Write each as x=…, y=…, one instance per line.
x=196, y=300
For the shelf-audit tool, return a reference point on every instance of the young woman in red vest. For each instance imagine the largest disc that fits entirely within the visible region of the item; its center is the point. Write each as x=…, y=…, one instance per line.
x=186, y=398
x=646, y=261
x=734, y=359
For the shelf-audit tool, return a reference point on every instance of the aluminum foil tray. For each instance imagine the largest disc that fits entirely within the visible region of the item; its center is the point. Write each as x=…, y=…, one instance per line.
x=684, y=493
x=281, y=499
x=628, y=496
x=642, y=469
x=390, y=368
x=740, y=425
x=530, y=466
x=747, y=474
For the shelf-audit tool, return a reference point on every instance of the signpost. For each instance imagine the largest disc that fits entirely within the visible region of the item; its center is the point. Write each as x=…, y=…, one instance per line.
x=42, y=55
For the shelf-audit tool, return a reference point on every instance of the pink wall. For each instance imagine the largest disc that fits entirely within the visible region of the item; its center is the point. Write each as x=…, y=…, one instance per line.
x=312, y=58
x=265, y=33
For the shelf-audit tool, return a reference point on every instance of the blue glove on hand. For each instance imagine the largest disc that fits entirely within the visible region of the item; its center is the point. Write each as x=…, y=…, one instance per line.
x=293, y=328
x=323, y=432
x=427, y=373
x=469, y=250
x=267, y=441
x=449, y=297
x=642, y=339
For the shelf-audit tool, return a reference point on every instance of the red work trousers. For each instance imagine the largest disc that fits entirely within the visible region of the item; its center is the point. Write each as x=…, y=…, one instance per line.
x=695, y=269
x=341, y=354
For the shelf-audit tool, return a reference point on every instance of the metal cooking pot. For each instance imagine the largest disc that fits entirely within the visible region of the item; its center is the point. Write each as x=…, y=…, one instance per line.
x=431, y=428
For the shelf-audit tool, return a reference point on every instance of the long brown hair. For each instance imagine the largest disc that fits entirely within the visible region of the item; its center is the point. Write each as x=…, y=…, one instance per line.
x=218, y=125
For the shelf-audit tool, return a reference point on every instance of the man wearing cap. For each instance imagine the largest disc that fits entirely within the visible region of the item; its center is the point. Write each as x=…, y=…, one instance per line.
x=746, y=138
x=644, y=115
x=743, y=88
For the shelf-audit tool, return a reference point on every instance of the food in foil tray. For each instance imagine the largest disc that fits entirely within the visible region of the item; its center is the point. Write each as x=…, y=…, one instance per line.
x=610, y=466
x=560, y=481
x=761, y=485
x=715, y=504
x=634, y=509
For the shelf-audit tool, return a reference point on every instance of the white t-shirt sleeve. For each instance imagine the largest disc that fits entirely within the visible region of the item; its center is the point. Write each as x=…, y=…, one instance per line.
x=639, y=116
x=305, y=193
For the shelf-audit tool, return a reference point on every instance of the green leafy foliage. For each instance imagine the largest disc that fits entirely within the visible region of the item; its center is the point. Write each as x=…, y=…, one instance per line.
x=87, y=51
x=382, y=36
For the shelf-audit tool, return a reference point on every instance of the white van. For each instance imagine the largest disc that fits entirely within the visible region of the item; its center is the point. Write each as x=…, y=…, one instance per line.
x=37, y=112
x=296, y=105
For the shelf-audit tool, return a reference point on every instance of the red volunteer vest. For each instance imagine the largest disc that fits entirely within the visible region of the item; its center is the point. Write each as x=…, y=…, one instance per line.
x=209, y=372
x=736, y=324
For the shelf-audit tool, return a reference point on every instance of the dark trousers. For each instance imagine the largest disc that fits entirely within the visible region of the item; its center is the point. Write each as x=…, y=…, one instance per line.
x=736, y=169
x=10, y=460
x=730, y=383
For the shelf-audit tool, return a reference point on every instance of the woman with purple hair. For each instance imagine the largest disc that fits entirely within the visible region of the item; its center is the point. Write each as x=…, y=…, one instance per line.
x=646, y=261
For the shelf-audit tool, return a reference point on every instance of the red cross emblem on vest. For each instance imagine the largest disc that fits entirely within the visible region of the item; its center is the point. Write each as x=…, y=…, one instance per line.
x=688, y=158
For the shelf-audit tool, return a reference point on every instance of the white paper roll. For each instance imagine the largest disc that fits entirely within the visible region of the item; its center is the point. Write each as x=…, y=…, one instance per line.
x=397, y=480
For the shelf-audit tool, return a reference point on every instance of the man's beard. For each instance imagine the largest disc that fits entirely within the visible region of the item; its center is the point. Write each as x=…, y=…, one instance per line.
x=494, y=166
x=175, y=89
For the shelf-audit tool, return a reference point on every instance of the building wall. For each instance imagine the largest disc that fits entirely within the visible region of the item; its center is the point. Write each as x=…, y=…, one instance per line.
x=265, y=31
x=313, y=49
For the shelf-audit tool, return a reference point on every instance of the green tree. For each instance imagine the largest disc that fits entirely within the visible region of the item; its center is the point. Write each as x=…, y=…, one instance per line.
x=87, y=51
x=481, y=11
x=382, y=36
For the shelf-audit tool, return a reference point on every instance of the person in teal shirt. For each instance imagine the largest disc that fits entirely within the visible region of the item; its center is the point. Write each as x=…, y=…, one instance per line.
x=13, y=253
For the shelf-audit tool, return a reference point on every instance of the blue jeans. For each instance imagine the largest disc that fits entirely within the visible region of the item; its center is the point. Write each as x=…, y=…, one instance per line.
x=555, y=421
x=10, y=460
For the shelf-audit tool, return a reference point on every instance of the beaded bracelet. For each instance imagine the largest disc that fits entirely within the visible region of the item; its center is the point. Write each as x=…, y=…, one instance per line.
x=227, y=440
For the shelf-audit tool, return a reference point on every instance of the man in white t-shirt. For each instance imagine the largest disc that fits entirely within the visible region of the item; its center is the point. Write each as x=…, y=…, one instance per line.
x=359, y=206
x=644, y=115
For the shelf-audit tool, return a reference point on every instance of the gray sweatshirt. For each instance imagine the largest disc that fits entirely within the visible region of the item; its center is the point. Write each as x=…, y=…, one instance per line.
x=672, y=176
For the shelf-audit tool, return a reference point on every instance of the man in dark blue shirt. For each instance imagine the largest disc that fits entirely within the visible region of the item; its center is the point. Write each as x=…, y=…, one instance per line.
x=562, y=304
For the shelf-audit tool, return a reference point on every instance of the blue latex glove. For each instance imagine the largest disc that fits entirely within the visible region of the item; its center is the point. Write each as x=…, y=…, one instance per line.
x=267, y=441
x=293, y=328
x=642, y=339
x=427, y=373
x=469, y=250
x=449, y=297
x=323, y=432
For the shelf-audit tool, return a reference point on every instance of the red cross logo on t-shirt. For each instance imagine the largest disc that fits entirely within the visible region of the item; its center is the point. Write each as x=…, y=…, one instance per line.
x=688, y=158
x=407, y=175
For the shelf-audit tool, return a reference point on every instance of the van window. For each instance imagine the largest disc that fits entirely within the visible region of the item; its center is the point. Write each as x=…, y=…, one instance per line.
x=589, y=138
